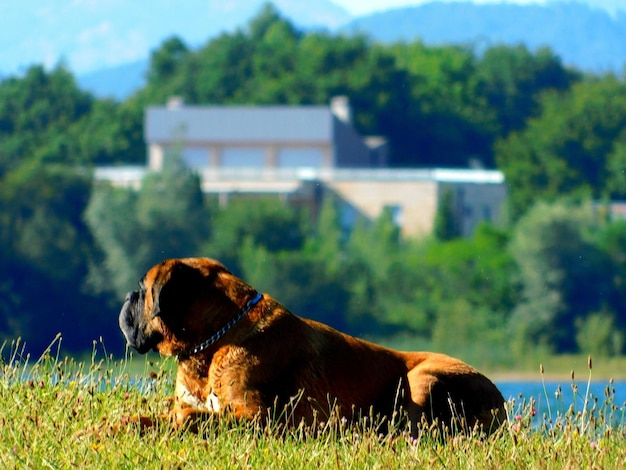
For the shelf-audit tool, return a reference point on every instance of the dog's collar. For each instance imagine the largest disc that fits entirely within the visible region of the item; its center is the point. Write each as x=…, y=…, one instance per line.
x=223, y=330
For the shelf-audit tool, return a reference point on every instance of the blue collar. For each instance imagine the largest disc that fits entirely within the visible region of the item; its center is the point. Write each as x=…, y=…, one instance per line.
x=223, y=330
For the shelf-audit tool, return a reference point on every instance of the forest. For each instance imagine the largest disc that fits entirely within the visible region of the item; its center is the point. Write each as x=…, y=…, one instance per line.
x=551, y=279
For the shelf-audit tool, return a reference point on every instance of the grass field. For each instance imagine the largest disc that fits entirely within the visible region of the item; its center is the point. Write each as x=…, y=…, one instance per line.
x=57, y=413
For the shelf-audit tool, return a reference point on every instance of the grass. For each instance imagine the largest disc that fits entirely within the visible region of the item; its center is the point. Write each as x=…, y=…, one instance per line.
x=56, y=413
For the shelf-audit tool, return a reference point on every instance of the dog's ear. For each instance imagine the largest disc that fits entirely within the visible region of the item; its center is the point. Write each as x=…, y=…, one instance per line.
x=179, y=291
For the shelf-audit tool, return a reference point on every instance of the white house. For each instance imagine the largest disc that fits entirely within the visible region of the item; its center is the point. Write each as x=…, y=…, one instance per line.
x=306, y=153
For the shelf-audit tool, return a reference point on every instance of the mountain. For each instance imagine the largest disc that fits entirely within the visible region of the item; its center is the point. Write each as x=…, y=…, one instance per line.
x=107, y=43
x=115, y=82
x=586, y=37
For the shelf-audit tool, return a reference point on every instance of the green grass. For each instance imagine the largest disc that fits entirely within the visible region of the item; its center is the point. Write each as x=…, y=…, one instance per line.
x=56, y=413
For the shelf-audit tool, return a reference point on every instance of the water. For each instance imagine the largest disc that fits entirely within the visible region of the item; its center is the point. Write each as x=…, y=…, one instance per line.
x=568, y=396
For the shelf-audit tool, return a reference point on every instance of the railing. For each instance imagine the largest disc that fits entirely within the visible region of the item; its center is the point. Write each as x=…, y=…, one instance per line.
x=127, y=175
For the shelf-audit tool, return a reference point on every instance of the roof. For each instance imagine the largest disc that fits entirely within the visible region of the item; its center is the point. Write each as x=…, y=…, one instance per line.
x=239, y=124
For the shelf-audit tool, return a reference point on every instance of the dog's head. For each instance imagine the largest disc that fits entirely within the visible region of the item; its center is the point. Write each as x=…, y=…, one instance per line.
x=181, y=303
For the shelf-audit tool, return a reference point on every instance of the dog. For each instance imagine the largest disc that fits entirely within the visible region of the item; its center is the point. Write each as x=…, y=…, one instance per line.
x=242, y=353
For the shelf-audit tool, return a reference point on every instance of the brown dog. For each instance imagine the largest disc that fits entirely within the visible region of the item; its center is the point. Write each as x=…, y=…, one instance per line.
x=243, y=353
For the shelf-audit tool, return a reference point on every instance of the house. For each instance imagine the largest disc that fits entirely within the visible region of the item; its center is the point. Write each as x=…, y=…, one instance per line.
x=277, y=137
x=304, y=154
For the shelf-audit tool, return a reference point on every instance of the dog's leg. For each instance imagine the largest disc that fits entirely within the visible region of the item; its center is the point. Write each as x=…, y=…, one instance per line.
x=419, y=407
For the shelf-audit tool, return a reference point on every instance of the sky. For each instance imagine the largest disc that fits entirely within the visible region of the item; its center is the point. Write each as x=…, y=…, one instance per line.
x=363, y=7
x=32, y=31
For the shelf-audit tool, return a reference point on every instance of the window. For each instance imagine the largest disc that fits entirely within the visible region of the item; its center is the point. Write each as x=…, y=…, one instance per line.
x=300, y=157
x=348, y=215
x=243, y=157
x=195, y=157
x=487, y=213
x=396, y=214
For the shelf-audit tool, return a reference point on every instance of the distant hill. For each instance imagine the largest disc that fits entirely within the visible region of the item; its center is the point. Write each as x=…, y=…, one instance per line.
x=590, y=39
x=115, y=82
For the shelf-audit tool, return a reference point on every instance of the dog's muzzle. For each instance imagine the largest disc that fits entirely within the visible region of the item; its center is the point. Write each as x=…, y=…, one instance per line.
x=128, y=321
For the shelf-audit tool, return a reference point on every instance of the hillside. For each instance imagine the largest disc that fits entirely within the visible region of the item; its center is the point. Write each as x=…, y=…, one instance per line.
x=588, y=38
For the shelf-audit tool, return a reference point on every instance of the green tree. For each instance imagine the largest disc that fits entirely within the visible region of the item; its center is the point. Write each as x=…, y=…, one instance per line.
x=569, y=148
x=446, y=220
x=512, y=79
x=37, y=113
x=597, y=335
x=45, y=251
x=166, y=60
x=326, y=243
x=564, y=275
x=41, y=219
x=299, y=281
x=268, y=223
x=438, y=280
x=166, y=218
x=449, y=123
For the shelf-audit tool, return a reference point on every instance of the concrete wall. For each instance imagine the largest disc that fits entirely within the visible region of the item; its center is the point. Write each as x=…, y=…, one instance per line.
x=416, y=200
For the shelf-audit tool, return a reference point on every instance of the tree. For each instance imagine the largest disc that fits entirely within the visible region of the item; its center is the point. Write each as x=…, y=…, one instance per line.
x=512, y=79
x=448, y=122
x=41, y=219
x=326, y=243
x=266, y=223
x=569, y=148
x=564, y=276
x=299, y=281
x=166, y=61
x=446, y=219
x=597, y=335
x=37, y=113
x=45, y=251
x=166, y=218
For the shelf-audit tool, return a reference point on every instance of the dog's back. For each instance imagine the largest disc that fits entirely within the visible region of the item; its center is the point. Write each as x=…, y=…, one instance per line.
x=359, y=376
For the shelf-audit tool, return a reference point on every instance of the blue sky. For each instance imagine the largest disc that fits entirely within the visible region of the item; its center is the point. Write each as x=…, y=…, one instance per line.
x=362, y=7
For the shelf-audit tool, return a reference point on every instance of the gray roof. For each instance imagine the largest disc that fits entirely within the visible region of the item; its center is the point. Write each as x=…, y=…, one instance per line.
x=239, y=124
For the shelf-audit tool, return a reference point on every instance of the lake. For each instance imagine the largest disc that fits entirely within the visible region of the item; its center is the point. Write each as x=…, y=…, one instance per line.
x=524, y=391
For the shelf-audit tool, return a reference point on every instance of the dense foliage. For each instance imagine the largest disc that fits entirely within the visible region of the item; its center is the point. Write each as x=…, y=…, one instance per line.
x=552, y=279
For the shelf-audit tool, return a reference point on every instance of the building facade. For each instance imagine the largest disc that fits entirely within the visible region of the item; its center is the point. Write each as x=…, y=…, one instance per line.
x=260, y=137
x=304, y=154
